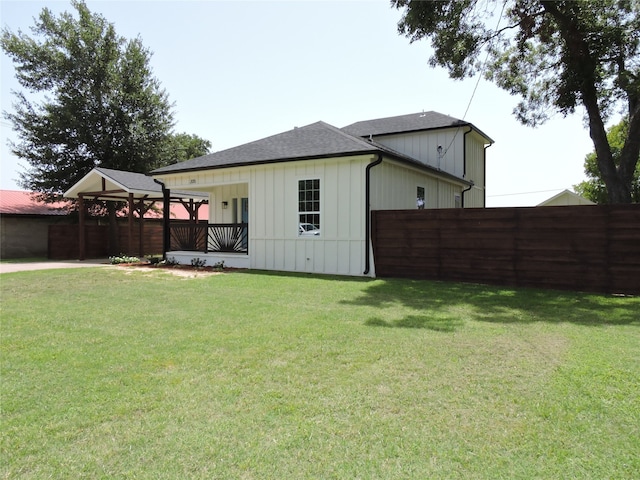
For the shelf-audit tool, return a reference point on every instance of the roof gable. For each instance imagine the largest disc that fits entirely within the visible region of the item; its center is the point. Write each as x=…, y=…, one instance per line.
x=566, y=197
x=118, y=184
x=113, y=179
x=312, y=141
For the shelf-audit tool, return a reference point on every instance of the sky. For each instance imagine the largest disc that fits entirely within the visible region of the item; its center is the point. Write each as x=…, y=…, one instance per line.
x=238, y=71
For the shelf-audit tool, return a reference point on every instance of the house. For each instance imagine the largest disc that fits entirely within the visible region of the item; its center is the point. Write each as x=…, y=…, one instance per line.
x=24, y=223
x=300, y=200
x=565, y=197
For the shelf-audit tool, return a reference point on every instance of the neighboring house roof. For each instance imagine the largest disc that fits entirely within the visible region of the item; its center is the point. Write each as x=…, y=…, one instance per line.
x=413, y=122
x=317, y=140
x=112, y=184
x=566, y=197
x=18, y=202
x=178, y=212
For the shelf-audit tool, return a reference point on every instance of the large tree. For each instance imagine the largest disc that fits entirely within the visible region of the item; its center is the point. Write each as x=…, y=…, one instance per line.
x=555, y=55
x=594, y=188
x=93, y=101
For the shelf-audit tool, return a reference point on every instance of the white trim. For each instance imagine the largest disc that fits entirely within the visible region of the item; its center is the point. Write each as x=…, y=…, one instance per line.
x=233, y=260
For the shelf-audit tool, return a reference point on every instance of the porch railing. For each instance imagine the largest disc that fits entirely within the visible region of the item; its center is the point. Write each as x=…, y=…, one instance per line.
x=212, y=237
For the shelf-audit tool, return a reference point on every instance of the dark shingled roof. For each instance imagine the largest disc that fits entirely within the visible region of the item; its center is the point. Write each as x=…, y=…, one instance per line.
x=312, y=141
x=403, y=123
x=131, y=180
x=320, y=140
x=413, y=122
x=138, y=184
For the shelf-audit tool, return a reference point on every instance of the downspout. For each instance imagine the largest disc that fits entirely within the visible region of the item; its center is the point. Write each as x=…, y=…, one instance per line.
x=465, y=190
x=367, y=217
x=484, y=175
x=464, y=170
x=464, y=165
x=464, y=152
x=166, y=215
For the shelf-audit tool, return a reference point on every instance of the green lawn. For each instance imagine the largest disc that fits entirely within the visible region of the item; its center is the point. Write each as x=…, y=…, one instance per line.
x=114, y=373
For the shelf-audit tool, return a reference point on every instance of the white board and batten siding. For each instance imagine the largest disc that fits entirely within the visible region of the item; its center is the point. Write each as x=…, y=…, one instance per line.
x=272, y=190
x=394, y=187
x=462, y=155
x=273, y=218
x=424, y=147
x=476, y=171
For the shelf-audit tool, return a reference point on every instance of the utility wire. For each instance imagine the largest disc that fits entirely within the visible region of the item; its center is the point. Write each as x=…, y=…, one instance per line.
x=525, y=193
x=480, y=73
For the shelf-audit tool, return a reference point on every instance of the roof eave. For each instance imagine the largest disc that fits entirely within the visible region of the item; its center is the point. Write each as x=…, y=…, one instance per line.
x=444, y=127
x=158, y=172
x=428, y=168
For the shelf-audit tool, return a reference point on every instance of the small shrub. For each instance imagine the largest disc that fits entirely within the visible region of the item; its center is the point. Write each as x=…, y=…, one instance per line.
x=219, y=265
x=122, y=258
x=198, y=263
x=171, y=262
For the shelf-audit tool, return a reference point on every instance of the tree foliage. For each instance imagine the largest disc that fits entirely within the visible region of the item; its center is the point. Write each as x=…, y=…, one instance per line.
x=93, y=101
x=184, y=146
x=594, y=188
x=555, y=55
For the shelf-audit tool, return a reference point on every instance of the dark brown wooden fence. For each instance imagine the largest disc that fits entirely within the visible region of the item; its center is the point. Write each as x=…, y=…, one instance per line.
x=64, y=241
x=583, y=248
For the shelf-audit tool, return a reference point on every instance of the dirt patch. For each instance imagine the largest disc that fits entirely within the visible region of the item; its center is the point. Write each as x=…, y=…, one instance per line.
x=186, y=271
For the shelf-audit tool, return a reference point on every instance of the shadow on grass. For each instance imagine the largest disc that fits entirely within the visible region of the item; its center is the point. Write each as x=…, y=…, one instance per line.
x=418, y=321
x=444, y=306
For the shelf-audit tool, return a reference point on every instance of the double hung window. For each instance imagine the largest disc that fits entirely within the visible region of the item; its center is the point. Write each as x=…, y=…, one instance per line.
x=309, y=207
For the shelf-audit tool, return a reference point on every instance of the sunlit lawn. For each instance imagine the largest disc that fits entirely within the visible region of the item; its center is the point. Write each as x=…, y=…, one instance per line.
x=120, y=373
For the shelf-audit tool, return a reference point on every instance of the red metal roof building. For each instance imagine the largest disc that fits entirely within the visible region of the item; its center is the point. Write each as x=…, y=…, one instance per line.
x=19, y=202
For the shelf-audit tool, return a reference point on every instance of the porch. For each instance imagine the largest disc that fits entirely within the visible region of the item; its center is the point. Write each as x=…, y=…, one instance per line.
x=213, y=243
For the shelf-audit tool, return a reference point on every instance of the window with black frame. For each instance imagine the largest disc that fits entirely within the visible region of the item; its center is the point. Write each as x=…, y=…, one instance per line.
x=309, y=208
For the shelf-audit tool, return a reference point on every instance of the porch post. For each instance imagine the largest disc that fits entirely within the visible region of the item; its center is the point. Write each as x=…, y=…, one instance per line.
x=81, y=240
x=166, y=215
x=141, y=212
x=130, y=226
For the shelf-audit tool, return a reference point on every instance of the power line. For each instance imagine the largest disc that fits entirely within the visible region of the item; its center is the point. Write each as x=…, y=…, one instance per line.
x=525, y=193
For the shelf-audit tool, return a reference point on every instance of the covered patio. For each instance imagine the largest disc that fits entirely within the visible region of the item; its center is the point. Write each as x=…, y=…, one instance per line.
x=224, y=239
x=140, y=193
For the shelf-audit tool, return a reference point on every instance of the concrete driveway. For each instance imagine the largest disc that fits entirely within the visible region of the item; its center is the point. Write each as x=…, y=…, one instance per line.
x=21, y=267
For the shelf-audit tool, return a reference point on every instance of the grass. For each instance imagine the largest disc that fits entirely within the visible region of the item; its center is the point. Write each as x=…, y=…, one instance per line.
x=114, y=373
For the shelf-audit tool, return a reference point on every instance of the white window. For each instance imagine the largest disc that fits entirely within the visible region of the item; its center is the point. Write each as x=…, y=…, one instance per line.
x=457, y=200
x=309, y=208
